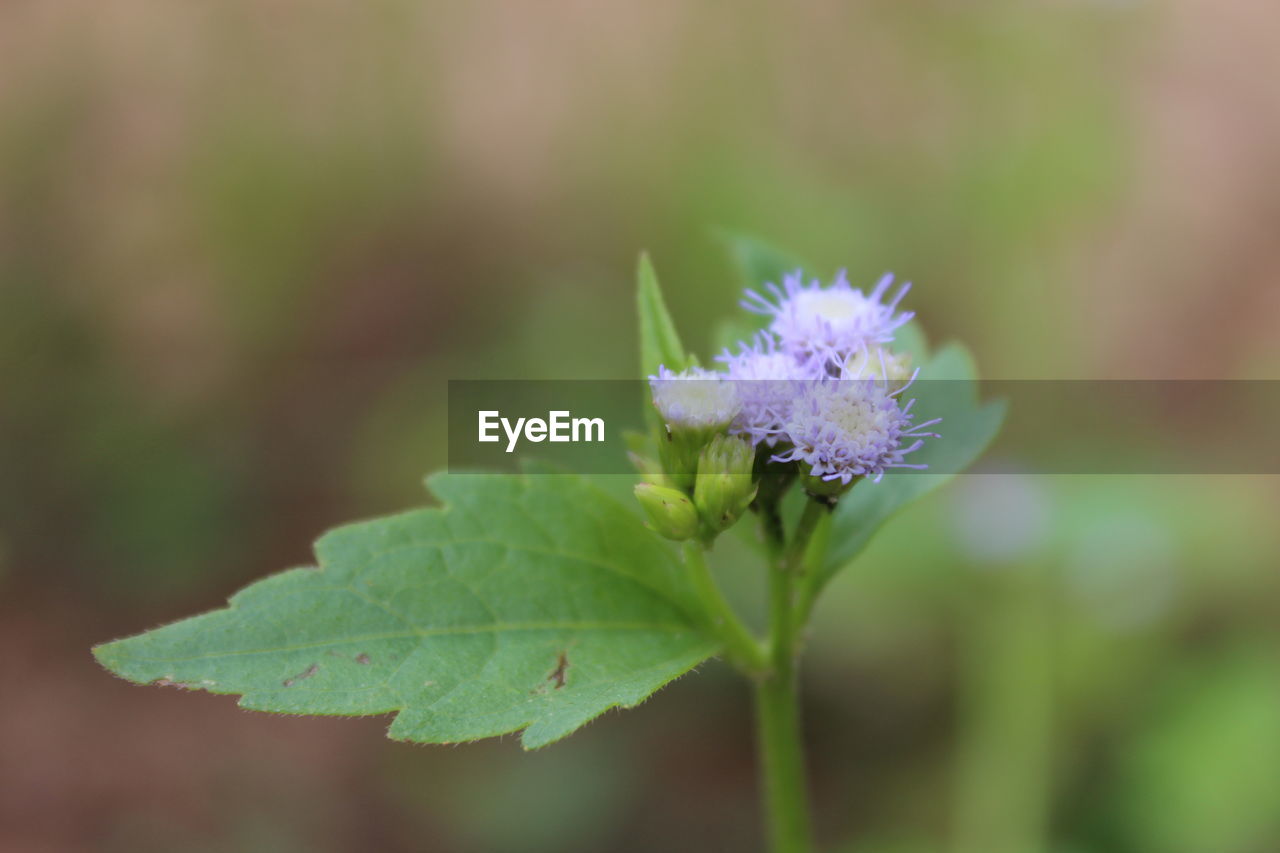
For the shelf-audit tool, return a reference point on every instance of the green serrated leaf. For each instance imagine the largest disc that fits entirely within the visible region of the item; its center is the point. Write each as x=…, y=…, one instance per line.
x=528, y=603
x=967, y=428
x=659, y=342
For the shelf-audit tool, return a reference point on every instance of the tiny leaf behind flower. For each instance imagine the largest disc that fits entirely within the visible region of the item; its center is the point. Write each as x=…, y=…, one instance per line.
x=756, y=260
x=527, y=602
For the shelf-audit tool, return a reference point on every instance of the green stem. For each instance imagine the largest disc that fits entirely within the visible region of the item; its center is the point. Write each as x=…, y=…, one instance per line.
x=778, y=705
x=742, y=649
x=772, y=528
x=782, y=760
x=814, y=512
x=808, y=585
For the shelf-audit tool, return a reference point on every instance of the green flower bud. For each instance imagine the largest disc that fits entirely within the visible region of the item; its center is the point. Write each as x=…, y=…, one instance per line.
x=724, y=488
x=678, y=450
x=670, y=512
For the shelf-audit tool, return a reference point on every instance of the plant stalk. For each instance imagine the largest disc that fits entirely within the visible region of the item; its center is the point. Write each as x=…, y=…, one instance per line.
x=742, y=649
x=785, y=791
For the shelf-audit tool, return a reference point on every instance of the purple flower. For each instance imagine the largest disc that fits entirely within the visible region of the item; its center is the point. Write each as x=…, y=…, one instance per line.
x=768, y=381
x=847, y=428
x=829, y=323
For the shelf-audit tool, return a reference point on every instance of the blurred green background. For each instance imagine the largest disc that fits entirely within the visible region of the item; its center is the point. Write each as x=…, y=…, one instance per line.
x=244, y=245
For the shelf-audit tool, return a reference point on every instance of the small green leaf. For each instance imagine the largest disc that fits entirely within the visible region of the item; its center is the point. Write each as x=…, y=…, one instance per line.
x=528, y=602
x=757, y=261
x=659, y=342
x=967, y=428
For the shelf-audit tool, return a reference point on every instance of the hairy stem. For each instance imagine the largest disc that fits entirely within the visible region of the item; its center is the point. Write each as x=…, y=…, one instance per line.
x=742, y=649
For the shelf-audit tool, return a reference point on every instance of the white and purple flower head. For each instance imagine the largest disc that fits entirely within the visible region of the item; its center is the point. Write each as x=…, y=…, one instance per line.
x=829, y=323
x=694, y=398
x=848, y=428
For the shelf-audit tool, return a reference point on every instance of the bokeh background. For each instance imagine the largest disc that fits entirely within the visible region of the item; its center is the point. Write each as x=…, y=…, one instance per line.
x=243, y=245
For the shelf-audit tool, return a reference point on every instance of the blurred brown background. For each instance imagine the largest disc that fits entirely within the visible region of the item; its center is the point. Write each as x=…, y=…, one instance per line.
x=243, y=246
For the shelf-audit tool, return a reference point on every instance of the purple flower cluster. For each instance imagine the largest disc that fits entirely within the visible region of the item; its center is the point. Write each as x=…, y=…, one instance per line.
x=822, y=385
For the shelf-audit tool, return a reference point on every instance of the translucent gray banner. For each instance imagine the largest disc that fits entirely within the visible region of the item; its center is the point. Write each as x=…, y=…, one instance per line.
x=1050, y=426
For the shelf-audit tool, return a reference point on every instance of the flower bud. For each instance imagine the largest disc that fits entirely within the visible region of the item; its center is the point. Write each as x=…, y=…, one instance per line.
x=695, y=405
x=724, y=488
x=678, y=451
x=694, y=399
x=670, y=512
